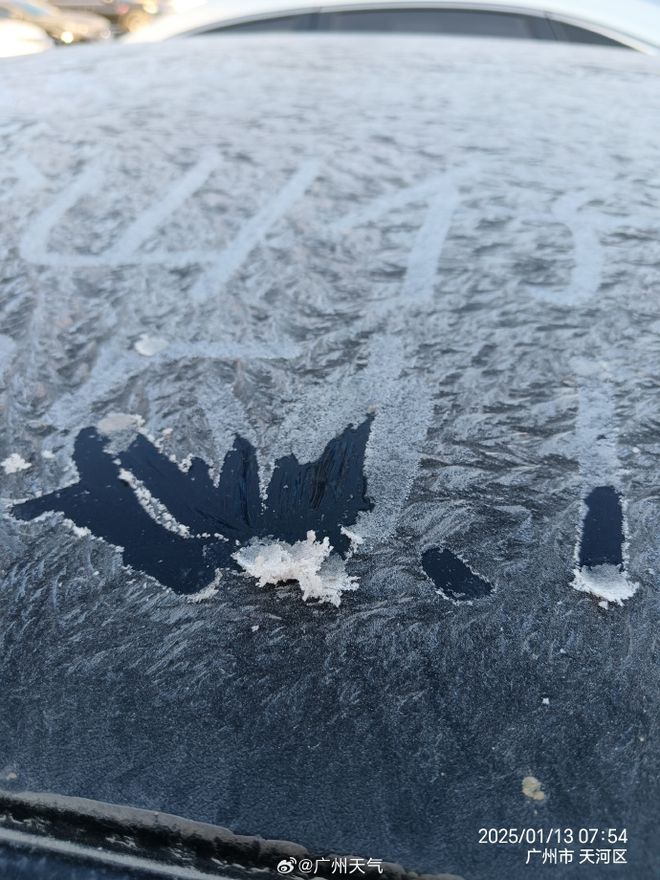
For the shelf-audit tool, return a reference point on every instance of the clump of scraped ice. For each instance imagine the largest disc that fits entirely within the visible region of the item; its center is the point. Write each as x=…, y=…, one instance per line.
x=607, y=582
x=309, y=562
x=78, y=531
x=115, y=422
x=15, y=463
x=148, y=346
x=533, y=788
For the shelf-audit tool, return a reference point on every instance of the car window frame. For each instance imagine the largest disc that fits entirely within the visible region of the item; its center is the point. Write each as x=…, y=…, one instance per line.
x=621, y=39
x=469, y=8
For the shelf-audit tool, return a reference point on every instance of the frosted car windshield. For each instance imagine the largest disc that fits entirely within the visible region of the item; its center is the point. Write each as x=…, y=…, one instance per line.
x=328, y=456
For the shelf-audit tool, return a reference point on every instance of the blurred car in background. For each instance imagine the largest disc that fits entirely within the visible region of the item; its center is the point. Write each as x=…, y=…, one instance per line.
x=63, y=27
x=21, y=38
x=125, y=15
x=634, y=25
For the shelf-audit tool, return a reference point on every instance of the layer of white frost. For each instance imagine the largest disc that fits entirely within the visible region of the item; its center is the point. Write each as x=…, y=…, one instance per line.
x=115, y=422
x=148, y=346
x=319, y=575
x=605, y=581
x=15, y=463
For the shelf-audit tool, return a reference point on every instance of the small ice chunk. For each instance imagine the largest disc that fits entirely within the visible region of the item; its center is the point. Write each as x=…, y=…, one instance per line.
x=607, y=582
x=186, y=463
x=15, y=463
x=308, y=562
x=115, y=422
x=148, y=346
x=48, y=454
x=532, y=788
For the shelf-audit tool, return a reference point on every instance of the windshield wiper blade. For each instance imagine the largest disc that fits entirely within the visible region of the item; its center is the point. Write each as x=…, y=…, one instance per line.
x=150, y=843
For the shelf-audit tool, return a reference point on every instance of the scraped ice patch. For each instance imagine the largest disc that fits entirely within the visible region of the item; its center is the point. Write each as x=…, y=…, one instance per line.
x=309, y=562
x=602, y=539
x=601, y=549
x=175, y=524
x=116, y=422
x=607, y=582
x=15, y=463
x=148, y=346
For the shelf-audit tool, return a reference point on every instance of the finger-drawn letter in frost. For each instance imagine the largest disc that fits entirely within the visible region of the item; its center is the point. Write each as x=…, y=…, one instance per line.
x=182, y=529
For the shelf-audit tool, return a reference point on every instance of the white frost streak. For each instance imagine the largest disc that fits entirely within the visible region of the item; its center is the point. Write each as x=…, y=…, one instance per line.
x=588, y=268
x=595, y=427
x=253, y=232
x=319, y=576
x=441, y=196
x=425, y=255
x=148, y=222
x=7, y=351
x=403, y=411
x=34, y=244
x=15, y=463
x=152, y=506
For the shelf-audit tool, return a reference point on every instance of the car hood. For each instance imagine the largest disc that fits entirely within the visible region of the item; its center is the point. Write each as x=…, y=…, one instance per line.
x=387, y=308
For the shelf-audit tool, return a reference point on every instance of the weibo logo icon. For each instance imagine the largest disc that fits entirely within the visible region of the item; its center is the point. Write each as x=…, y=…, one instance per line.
x=180, y=528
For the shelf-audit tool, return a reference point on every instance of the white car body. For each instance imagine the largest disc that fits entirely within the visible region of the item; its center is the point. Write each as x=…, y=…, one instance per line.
x=635, y=23
x=22, y=38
